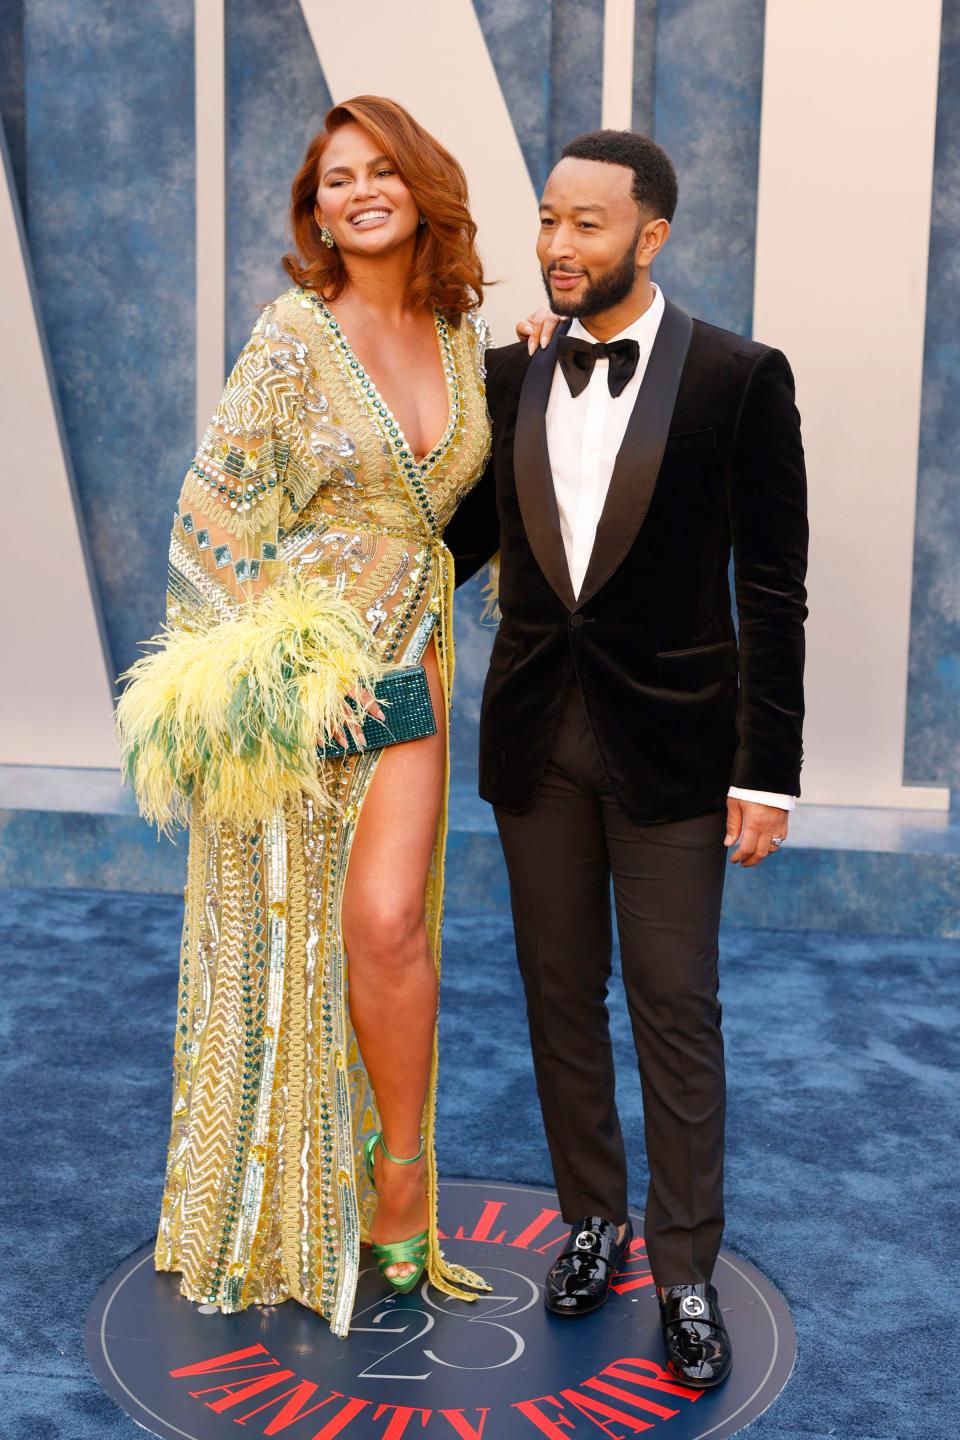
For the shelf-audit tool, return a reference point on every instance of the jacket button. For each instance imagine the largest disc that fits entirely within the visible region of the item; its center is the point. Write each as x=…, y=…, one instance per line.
x=576, y=622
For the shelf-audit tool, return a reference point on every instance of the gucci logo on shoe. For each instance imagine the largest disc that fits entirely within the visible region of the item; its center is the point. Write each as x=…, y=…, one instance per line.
x=586, y=1240
x=692, y=1306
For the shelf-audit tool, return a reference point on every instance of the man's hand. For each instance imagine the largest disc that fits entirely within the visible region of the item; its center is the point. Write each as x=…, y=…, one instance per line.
x=538, y=328
x=755, y=827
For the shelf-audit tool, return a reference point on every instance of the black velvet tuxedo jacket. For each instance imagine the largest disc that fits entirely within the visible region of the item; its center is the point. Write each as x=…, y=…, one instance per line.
x=712, y=461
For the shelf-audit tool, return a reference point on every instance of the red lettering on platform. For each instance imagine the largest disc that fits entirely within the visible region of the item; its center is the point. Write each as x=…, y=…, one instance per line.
x=293, y=1409
x=640, y=1402
x=535, y=1228
x=598, y=1412
x=462, y=1425
x=342, y=1419
x=236, y=1391
x=636, y=1272
x=550, y=1428
x=654, y=1377
x=632, y=1369
x=491, y=1209
x=219, y=1362
x=401, y=1415
x=557, y=1240
x=624, y=1281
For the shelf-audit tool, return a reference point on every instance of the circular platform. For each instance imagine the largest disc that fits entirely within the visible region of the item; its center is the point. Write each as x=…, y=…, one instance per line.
x=419, y=1365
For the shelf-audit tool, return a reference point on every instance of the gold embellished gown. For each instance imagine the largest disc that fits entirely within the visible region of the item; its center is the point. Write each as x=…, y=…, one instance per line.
x=302, y=478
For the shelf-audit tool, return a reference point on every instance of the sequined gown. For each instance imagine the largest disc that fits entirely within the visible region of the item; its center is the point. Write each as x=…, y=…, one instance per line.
x=302, y=470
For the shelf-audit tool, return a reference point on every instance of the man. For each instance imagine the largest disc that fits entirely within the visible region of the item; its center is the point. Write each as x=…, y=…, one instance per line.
x=623, y=731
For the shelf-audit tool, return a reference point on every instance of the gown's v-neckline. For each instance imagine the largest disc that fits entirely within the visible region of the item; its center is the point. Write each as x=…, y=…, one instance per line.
x=410, y=466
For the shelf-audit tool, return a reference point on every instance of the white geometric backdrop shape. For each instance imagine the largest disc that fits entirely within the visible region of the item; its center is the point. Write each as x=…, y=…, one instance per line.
x=843, y=225
x=830, y=138
x=56, y=704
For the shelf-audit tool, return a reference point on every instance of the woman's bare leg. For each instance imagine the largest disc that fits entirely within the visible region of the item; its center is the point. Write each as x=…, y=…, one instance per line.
x=393, y=981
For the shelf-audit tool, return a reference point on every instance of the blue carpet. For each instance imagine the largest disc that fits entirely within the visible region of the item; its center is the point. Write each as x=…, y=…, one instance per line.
x=843, y=1120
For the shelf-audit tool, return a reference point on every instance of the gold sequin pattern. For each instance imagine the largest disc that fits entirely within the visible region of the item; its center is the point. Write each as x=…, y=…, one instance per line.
x=265, y=1197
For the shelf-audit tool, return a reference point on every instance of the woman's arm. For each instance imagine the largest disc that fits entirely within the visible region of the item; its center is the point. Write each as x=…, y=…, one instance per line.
x=472, y=535
x=254, y=663
x=252, y=471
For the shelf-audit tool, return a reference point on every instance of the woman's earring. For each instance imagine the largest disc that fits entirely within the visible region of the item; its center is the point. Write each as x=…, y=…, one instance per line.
x=326, y=237
x=423, y=219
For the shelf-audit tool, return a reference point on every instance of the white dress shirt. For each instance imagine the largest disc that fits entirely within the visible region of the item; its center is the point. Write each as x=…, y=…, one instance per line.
x=583, y=437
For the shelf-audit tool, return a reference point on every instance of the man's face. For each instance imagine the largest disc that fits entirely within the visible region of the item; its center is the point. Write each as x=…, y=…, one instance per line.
x=589, y=231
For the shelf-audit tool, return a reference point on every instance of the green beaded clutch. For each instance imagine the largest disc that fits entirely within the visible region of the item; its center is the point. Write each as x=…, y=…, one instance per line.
x=404, y=696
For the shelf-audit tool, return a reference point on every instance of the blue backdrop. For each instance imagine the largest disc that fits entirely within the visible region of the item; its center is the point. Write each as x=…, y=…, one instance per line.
x=97, y=101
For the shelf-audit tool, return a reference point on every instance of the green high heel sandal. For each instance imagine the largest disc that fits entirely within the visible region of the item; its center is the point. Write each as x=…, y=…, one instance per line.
x=399, y=1252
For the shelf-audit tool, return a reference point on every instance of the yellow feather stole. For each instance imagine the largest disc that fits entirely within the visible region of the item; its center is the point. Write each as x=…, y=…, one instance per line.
x=230, y=713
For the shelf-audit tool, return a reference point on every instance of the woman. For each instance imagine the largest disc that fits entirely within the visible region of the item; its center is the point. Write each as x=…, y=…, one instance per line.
x=306, y=560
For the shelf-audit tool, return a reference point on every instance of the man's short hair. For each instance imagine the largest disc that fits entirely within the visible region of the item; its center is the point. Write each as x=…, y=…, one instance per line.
x=654, y=178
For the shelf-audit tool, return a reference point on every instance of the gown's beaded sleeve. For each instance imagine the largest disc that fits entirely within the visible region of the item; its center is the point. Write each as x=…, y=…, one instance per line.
x=306, y=550
x=253, y=469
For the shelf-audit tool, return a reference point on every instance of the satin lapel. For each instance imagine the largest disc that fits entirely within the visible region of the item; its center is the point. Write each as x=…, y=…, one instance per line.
x=533, y=476
x=641, y=453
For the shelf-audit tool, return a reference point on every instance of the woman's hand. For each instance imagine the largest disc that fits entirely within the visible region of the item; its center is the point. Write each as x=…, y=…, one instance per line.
x=539, y=327
x=358, y=702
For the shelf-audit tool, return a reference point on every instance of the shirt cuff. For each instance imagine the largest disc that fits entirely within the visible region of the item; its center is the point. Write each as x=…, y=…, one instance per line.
x=763, y=797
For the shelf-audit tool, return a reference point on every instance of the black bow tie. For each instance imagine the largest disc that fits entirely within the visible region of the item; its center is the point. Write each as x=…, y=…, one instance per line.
x=578, y=357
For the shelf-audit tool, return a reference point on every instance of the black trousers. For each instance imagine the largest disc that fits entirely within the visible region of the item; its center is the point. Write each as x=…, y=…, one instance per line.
x=667, y=885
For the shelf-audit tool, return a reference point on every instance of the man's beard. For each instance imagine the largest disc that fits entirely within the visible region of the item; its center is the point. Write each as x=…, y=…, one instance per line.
x=611, y=289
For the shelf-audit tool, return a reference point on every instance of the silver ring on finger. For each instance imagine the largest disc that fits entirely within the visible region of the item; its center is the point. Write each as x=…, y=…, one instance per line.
x=777, y=840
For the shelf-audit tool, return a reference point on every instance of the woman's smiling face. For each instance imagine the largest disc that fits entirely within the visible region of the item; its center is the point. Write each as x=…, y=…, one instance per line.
x=362, y=198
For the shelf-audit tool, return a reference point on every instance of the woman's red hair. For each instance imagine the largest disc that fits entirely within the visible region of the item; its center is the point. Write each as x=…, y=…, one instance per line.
x=447, y=273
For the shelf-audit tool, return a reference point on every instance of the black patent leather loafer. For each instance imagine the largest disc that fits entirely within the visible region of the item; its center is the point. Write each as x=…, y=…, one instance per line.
x=698, y=1346
x=578, y=1281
